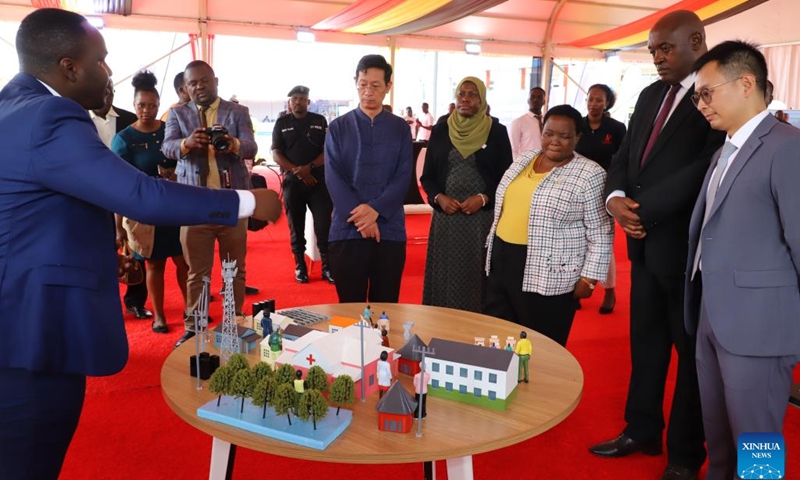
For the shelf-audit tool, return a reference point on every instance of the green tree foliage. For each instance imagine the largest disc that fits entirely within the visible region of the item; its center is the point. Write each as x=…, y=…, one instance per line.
x=262, y=370
x=242, y=385
x=317, y=379
x=263, y=393
x=220, y=382
x=285, y=374
x=237, y=362
x=343, y=392
x=284, y=400
x=312, y=405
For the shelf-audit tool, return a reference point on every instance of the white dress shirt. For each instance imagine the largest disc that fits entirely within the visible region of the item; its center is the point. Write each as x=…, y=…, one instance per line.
x=106, y=127
x=525, y=134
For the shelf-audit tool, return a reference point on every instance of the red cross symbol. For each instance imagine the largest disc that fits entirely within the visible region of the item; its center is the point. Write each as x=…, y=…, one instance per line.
x=311, y=359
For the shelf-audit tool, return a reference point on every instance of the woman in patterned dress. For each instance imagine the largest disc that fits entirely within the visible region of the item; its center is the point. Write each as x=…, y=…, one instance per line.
x=465, y=161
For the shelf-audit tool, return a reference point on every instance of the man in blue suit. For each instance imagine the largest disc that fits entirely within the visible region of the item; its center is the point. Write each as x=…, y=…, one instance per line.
x=742, y=296
x=61, y=316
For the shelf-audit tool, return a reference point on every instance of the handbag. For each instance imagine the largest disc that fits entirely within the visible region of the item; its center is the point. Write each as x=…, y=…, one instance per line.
x=134, y=274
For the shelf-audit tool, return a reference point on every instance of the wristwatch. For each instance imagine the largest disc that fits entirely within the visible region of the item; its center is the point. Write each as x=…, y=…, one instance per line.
x=312, y=166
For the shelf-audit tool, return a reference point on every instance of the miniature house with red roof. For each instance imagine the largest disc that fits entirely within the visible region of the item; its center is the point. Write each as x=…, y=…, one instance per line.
x=409, y=359
x=396, y=410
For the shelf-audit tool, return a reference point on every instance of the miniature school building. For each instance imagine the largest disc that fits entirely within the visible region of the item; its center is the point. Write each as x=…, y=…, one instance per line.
x=467, y=373
x=396, y=410
x=248, y=338
x=339, y=354
x=409, y=359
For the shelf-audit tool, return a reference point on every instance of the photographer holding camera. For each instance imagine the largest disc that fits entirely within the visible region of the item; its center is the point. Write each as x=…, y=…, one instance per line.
x=210, y=138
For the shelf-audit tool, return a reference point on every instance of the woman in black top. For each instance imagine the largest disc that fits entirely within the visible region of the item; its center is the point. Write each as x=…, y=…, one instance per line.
x=600, y=141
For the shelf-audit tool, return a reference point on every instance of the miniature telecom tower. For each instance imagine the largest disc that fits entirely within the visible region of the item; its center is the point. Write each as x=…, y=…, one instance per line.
x=230, y=337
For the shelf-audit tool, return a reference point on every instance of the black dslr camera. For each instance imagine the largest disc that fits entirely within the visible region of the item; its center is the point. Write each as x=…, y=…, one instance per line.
x=218, y=140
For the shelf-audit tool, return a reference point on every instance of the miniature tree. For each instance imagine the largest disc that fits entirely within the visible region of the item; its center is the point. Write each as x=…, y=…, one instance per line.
x=317, y=379
x=312, y=404
x=284, y=400
x=343, y=391
x=285, y=374
x=262, y=370
x=237, y=362
x=220, y=382
x=242, y=385
x=263, y=393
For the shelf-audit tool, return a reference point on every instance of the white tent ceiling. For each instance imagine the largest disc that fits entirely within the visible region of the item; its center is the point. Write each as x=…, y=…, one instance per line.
x=515, y=27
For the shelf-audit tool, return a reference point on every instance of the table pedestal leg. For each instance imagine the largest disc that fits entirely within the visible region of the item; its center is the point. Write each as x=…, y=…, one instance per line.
x=222, y=456
x=429, y=469
x=459, y=468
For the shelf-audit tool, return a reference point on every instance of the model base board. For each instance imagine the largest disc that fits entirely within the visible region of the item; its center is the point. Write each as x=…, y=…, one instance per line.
x=277, y=426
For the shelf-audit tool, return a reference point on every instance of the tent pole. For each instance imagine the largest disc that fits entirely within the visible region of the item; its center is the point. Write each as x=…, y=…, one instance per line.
x=203, y=23
x=547, y=51
x=392, y=50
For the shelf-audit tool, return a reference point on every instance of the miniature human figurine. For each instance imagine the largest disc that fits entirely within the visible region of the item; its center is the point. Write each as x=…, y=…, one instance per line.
x=384, y=374
x=407, y=330
x=421, y=391
x=383, y=322
x=276, y=341
x=384, y=338
x=508, y=347
x=299, y=383
x=368, y=314
x=523, y=350
x=266, y=324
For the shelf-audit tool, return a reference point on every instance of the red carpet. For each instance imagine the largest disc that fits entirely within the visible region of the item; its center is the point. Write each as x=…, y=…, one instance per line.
x=128, y=432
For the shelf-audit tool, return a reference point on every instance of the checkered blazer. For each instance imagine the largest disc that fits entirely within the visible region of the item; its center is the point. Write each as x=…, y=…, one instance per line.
x=570, y=234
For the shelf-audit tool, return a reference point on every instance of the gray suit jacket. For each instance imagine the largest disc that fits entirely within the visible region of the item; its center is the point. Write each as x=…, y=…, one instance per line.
x=751, y=247
x=184, y=119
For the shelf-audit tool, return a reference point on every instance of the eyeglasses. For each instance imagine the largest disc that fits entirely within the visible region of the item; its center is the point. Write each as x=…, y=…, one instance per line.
x=706, y=92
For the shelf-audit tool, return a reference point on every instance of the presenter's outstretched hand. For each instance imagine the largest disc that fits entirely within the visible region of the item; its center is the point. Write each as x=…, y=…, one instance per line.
x=268, y=205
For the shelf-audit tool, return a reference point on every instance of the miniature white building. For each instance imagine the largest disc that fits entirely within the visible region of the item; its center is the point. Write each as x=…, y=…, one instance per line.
x=339, y=354
x=472, y=374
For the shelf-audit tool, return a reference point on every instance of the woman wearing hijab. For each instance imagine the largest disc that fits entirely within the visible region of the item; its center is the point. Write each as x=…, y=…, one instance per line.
x=466, y=158
x=550, y=241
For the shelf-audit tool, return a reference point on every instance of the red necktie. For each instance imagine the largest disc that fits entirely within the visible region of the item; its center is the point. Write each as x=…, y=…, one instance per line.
x=660, y=120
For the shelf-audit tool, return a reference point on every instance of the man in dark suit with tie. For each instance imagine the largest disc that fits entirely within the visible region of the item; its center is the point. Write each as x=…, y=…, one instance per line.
x=111, y=120
x=742, y=295
x=652, y=183
x=59, y=184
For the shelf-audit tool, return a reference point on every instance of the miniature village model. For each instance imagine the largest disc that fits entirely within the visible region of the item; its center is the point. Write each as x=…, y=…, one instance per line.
x=296, y=392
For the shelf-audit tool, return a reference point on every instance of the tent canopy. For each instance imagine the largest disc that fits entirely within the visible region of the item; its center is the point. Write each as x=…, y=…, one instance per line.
x=520, y=27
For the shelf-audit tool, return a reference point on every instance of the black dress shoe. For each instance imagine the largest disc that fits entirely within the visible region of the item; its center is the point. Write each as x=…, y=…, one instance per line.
x=624, y=445
x=160, y=328
x=186, y=336
x=674, y=472
x=139, y=312
x=248, y=290
x=301, y=275
x=327, y=275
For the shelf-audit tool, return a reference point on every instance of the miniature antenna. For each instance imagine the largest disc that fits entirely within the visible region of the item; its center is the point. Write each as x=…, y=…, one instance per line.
x=230, y=334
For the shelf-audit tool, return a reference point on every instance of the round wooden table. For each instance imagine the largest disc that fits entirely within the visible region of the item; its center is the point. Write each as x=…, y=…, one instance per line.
x=452, y=430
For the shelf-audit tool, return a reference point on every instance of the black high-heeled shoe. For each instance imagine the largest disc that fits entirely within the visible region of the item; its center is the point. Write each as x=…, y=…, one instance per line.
x=159, y=328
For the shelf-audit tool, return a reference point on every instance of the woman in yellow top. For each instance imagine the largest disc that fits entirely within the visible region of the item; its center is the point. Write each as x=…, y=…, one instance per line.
x=551, y=238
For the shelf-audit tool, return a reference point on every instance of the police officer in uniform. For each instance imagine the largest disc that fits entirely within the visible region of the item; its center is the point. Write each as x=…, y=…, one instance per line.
x=298, y=142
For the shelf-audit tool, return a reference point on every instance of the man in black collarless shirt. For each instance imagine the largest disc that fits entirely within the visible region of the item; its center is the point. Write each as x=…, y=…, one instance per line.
x=298, y=142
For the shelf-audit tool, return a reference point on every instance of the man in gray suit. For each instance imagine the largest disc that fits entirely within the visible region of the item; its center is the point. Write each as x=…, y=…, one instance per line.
x=213, y=161
x=742, y=296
